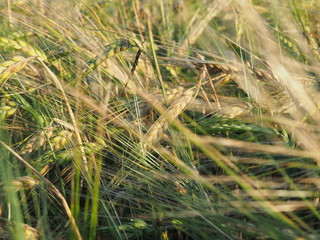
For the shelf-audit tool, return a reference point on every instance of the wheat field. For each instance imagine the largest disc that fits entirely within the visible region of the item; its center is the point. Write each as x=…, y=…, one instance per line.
x=169, y=119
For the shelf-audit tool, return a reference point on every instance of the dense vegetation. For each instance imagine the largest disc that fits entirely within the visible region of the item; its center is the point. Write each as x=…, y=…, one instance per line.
x=163, y=119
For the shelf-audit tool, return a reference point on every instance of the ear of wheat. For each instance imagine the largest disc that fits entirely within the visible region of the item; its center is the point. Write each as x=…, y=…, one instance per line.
x=23, y=47
x=156, y=131
x=265, y=89
x=8, y=226
x=111, y=50
x=38, y=140
x=60, y=139
x=12, y=66
x=7, y=108
x=24, y=182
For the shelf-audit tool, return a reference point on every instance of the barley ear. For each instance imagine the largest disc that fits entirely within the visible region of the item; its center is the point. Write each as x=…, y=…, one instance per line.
x=156, y=131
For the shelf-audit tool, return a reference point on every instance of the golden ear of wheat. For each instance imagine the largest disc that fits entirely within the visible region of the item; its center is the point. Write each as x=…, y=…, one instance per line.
x=156, y=131
x=12, y=66
x=23, y=47
x=265, y=88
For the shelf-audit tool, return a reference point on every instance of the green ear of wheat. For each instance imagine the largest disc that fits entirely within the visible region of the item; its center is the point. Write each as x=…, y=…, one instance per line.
x=109, y=51
x=60, y=139
x=7, y=109
x=113, y=49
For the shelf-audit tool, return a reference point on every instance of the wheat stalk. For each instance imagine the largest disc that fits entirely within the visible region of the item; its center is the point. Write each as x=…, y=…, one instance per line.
x=51, y=187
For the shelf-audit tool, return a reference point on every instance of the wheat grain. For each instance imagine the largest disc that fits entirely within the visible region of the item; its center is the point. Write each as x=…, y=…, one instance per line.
x=171, y=95
x=228, y=107
x=290, y=44
x=60, y=139
x=24, y=183
x=8, y=109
